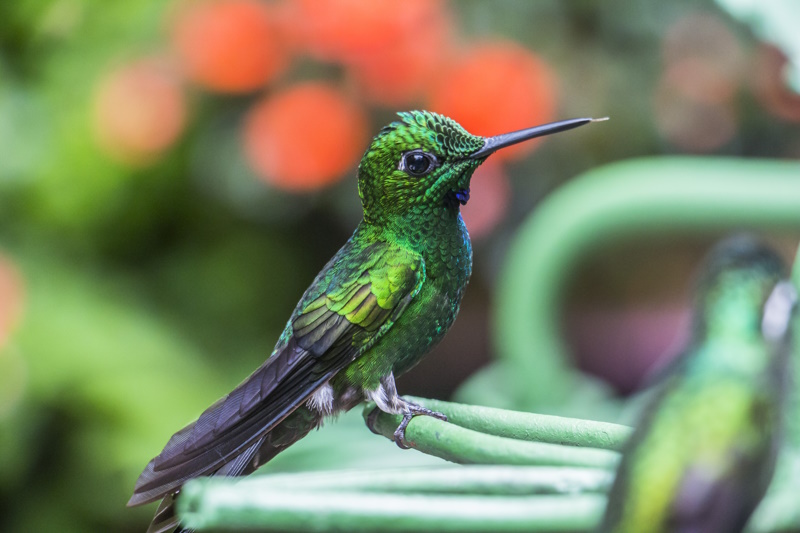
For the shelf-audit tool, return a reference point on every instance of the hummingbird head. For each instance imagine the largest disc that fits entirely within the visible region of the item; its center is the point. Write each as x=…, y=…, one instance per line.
x=425, y=161
x=739, y=278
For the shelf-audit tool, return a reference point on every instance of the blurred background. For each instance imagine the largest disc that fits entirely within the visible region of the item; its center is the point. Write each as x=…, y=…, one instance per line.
x=174, y=174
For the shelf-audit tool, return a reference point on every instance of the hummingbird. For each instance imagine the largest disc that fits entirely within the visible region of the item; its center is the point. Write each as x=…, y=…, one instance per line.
x=376, y=308
x=703, y=453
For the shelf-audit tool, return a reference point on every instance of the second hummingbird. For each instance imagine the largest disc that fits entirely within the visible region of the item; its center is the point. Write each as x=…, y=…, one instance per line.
x=704, y=452
x=379, y=305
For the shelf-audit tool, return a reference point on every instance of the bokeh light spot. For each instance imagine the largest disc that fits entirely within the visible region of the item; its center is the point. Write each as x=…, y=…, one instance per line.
x=305, y=137
x=228, y=45
x=691, y=125
x=405, y=71
x=139, y=111
x=700, y=80
x=350, y=30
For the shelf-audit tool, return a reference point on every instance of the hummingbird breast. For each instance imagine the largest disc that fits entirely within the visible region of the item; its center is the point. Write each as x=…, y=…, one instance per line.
x=443, y=242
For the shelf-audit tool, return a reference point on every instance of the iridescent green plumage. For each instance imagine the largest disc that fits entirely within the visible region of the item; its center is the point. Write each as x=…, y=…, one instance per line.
x=703, y=454
x=376, y=308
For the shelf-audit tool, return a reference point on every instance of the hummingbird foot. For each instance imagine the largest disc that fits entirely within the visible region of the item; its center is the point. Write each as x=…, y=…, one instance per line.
x=387, y=400
x=411, y=411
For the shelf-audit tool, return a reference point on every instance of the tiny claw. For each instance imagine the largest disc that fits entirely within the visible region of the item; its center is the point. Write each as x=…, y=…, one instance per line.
x=372, y=417
x=400, y=432
x=414, y=410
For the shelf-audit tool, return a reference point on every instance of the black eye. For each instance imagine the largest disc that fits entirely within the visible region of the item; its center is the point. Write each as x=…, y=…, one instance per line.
x=417, y=163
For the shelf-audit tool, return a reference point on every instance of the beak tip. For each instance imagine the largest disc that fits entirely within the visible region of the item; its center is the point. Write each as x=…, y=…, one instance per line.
x=601, y=119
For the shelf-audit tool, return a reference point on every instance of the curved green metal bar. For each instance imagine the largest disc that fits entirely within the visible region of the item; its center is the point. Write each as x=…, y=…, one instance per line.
x=336, y=510
x=530, y=426
x=469, y=498
x=645, y=196
x=465, y=446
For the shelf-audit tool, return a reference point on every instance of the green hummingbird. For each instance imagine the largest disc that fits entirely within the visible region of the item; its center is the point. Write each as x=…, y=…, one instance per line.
x=703, y=454
x=378, y=306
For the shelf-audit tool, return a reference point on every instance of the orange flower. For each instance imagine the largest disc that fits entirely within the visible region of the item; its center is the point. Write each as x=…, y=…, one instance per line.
x=304, y=137
x=405, y=71
x=228, y=45
x=139, y=110
x=350, y=30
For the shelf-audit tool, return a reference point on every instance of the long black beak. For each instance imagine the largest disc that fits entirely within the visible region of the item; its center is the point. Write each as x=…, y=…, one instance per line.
x=493, y=144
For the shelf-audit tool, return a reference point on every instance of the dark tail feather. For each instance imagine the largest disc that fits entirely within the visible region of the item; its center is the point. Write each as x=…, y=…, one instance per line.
x=293, y=428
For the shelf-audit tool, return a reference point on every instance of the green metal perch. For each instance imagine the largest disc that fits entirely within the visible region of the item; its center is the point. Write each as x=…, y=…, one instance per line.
x=338, y=510
x=531, y=426
x=460, y=445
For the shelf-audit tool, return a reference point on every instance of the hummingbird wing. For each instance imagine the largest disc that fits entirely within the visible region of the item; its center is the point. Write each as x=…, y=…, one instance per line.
x=709, y=502
x=356, y=298
x=721, y=496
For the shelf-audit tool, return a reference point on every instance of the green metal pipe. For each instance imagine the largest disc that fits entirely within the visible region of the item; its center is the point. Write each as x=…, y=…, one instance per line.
x=226, y=507
x=460, y=445
x=531, y=426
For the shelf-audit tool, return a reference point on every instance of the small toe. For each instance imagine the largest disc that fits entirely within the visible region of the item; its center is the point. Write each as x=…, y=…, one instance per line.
x=400, y=440
x=400, y=432
x=440, y=416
